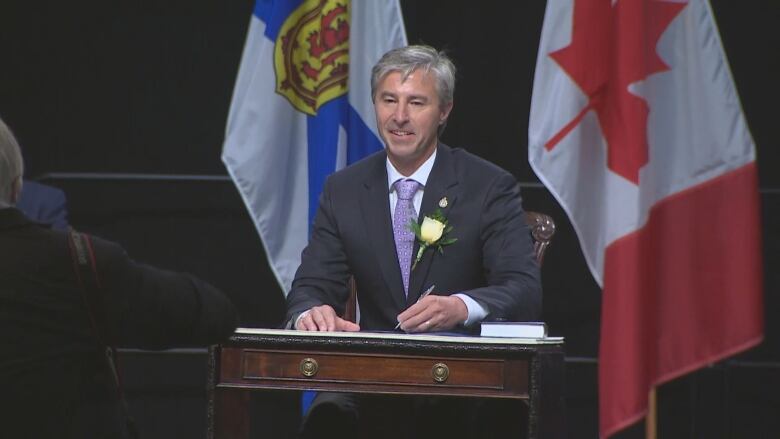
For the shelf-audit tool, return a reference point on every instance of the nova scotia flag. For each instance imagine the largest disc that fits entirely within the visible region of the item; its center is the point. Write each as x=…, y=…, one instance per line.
x=302, y=109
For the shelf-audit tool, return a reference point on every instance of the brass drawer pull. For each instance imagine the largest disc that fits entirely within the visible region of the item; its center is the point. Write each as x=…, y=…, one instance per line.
x=308, y=367
x=440, y=372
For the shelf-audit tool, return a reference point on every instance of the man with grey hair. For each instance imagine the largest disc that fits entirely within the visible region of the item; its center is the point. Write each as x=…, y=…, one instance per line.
x=55, y=380
x=41, y=203
x=472, y=253
x=11, y=167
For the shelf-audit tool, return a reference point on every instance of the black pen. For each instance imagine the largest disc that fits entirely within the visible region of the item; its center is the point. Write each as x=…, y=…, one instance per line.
x=425, y=293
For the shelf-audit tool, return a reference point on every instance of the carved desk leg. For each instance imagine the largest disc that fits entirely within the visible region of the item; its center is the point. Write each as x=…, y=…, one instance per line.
x=227, y=415
x=232, y=420
x=211, y=383
x=546, y=417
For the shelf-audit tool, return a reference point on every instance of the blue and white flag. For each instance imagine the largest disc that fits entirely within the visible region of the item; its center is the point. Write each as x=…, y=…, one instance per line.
x=302, y=109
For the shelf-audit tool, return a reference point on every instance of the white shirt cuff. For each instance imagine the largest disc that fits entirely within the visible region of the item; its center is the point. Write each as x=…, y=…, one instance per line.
x=300, y=316
x=476, y=312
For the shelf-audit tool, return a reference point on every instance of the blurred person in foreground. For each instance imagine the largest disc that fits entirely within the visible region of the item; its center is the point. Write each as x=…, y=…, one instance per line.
x=55, y=380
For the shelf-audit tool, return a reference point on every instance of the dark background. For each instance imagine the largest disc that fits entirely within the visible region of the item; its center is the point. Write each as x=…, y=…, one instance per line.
x=123, y=105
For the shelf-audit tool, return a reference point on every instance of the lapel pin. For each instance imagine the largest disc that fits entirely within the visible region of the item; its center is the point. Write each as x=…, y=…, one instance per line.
x=443, y=202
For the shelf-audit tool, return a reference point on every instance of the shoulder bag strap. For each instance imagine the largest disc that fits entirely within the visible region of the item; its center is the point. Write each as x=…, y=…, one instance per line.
x=84, y=265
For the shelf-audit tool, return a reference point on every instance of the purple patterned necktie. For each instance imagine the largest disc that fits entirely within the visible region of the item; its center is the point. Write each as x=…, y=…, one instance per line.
x=404, y=237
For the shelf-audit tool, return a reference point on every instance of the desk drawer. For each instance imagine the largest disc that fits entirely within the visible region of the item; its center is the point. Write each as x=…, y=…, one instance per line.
x=374, y=373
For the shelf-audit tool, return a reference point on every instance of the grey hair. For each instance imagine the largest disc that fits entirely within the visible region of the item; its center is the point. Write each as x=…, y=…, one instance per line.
x=11, y=164
x=406, y=60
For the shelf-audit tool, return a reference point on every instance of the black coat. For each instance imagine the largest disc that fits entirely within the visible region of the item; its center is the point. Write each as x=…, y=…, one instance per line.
x=54, y=381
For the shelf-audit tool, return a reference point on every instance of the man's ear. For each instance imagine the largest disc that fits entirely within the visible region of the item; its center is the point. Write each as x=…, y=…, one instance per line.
x=445, y=112
x=16, y=190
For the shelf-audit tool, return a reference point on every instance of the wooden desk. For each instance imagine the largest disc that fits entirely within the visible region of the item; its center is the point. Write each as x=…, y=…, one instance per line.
x=530, y=370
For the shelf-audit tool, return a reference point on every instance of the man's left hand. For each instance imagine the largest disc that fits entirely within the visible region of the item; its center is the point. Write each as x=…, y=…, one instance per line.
x=434, y=313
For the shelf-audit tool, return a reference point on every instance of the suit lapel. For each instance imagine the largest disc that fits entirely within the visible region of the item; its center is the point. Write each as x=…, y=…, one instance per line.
x=376, y=210
x=442, y=182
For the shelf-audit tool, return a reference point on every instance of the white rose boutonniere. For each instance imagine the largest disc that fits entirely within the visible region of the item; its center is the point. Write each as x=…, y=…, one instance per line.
x=431, y=230
x=431, y=233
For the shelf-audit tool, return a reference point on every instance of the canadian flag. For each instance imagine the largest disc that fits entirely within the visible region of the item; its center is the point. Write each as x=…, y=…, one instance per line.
x=637, y=130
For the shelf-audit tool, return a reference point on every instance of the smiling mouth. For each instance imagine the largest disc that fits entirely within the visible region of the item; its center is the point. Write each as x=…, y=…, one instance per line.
x=401, y=133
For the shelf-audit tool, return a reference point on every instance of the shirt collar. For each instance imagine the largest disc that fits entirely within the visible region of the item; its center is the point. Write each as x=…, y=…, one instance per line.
x=420, y=175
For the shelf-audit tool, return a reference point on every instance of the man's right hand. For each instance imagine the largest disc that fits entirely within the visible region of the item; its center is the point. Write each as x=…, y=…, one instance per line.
x=324, y=318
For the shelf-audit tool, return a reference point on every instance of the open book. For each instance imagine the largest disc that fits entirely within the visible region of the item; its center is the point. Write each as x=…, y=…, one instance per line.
x=514, y=329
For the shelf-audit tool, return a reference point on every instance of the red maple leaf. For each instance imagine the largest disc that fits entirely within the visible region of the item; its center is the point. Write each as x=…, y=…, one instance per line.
x=612, y=47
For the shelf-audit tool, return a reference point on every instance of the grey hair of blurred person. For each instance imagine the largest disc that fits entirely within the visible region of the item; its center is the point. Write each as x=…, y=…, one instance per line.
x=407, y=60
x=11, y=166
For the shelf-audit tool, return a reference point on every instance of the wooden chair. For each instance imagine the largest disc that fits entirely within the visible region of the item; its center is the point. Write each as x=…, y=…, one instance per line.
x=542, y=230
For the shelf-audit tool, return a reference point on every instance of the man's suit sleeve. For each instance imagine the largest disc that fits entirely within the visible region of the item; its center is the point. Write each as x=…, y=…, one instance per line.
x=323, y=274
x=151, y=308
x=513, y=290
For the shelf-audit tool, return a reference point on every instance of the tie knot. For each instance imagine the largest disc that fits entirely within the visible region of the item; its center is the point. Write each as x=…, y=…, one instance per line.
x=406, y=189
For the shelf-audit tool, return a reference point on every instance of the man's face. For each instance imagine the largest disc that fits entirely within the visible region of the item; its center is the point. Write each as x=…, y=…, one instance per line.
x=408, y=115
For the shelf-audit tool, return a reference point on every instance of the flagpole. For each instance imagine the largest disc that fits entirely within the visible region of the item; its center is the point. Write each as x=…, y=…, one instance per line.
x=651, y=422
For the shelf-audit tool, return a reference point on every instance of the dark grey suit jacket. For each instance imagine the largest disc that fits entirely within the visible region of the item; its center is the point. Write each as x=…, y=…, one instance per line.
x=492, y=260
